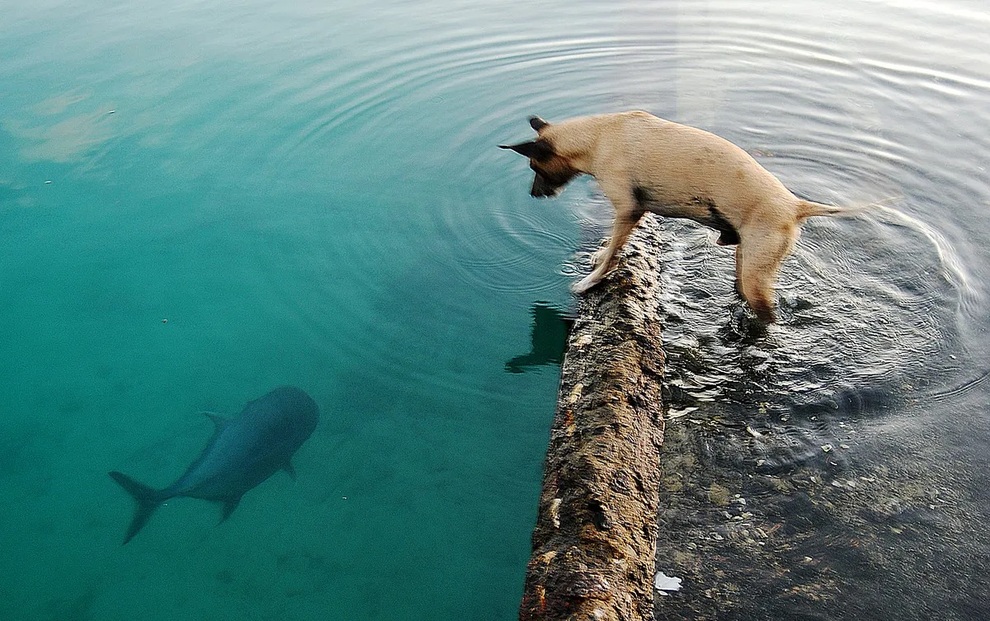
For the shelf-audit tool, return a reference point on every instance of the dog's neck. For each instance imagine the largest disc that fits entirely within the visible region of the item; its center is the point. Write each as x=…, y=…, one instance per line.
x=577, y=140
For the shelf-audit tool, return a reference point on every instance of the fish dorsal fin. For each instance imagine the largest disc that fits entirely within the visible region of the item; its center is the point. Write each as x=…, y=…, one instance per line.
x=219, y=421
x=228, y=507
x=290, y=470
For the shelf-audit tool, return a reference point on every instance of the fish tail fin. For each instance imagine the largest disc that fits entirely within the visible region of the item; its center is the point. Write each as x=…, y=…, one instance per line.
x=147, y=498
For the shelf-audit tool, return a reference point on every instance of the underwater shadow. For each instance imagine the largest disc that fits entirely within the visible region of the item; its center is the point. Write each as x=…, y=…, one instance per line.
x=548, y=340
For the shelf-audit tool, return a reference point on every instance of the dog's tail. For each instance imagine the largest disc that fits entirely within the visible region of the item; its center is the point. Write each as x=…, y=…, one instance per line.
x=809, y=209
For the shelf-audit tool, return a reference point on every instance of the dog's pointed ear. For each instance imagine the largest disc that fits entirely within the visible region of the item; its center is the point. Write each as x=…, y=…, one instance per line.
x=537, y=123
x=529, y=149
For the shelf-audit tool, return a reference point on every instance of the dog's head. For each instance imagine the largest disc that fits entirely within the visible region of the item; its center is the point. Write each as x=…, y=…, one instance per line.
x=552, y=169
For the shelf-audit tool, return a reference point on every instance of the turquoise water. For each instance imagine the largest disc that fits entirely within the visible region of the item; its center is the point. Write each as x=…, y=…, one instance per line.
x=201, y=201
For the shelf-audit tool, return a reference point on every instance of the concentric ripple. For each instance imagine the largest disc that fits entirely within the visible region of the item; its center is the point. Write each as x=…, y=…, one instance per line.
x=199, y=198
x=877, y=310
x=384, y=128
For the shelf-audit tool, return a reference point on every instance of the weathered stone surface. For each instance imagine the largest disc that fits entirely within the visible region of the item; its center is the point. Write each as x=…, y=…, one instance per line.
x=769, y=511
x=595, y=539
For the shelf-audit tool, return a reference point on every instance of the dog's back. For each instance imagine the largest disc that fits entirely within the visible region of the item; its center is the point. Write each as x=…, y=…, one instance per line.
x=684, y=171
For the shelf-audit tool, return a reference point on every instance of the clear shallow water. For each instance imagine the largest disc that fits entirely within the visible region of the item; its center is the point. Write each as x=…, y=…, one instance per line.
x=311, y=194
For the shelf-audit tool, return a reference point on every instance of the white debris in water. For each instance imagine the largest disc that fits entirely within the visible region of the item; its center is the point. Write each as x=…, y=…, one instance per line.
x=666, y=584
x=673, y=413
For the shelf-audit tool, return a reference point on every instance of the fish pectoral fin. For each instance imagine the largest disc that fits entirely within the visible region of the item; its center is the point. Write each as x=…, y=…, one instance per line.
x=228, y=507
x=290, y=470
x=218, y=420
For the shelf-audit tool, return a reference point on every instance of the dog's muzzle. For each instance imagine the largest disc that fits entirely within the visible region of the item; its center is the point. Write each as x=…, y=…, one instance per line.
x=543, y=188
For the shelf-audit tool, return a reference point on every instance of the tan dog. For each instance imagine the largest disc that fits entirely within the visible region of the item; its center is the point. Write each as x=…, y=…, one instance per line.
x=644, y=163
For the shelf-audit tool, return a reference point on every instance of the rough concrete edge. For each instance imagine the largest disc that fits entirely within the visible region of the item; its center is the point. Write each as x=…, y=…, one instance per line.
x=594, y=543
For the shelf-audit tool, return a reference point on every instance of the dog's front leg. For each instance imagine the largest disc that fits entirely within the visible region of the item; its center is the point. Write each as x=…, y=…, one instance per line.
x=598, y=256
x=605, y=258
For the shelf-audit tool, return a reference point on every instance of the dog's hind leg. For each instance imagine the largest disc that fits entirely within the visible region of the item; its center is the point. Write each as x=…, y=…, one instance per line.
x=760, y=255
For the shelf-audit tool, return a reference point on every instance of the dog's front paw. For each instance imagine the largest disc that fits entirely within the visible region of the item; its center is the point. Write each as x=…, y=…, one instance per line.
x=584, y=284
x=598, y=257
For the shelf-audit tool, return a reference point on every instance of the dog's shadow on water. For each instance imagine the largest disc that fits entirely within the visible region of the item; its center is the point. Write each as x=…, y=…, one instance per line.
x=548, y=340
x=552, y=327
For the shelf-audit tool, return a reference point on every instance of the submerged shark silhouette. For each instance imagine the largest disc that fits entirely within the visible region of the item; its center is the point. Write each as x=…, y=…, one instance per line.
x=243, y=452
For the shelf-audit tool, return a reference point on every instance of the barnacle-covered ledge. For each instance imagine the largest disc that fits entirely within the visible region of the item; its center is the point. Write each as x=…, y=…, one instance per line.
x=595, y=540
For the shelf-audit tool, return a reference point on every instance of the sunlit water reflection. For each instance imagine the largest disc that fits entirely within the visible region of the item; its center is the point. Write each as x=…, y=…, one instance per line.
x=311, y=193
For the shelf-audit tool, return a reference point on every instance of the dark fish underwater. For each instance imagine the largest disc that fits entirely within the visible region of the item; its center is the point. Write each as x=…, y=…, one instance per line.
x=243, y=452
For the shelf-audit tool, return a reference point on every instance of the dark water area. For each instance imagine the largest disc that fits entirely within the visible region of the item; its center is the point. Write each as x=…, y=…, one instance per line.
x=202, y=201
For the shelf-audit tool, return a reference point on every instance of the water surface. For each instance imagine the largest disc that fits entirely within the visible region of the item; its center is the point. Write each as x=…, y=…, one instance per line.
x=200, y=201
